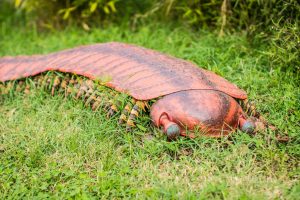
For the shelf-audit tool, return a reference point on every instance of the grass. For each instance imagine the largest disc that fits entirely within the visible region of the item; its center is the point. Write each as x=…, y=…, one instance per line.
x=55, y=147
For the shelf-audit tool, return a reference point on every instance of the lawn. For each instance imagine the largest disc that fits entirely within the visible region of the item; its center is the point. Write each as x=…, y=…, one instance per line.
x=56, y=147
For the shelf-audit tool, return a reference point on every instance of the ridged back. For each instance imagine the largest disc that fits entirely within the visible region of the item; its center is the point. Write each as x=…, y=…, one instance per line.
x=142, y=73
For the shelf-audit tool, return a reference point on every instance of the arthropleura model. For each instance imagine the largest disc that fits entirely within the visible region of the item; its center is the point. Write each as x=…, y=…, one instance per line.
x=180, y=96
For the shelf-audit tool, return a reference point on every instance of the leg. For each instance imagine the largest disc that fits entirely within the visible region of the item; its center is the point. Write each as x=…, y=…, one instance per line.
x=91, y=98
x=20, y=86
x=47, y=81
x=97, y=103
x=249, y=108
x=71, y=88
x=125, y=113
x=114, y=104
x=3, y=88
x=28, y=86
x=112, y=111
x=138, y=107
x=257, y=123
x=64, y=84
x=56, y=83
x=84, y=87
x=133, y=114
x=99, y=100
x=8, y=88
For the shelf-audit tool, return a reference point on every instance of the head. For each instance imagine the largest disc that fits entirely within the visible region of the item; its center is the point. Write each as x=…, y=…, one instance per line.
x=211, y=112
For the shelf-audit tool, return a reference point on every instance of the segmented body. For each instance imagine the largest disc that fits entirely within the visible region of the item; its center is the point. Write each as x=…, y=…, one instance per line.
x=140, y=74
x=93, y=93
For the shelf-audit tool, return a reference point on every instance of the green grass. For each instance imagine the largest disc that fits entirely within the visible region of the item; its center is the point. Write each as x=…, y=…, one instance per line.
x=55, y=147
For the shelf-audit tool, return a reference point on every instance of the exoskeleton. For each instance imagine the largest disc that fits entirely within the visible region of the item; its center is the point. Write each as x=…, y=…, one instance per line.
x=180, y=96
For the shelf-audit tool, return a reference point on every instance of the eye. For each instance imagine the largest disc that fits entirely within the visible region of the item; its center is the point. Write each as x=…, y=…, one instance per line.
x=170, y=128
x=173, y=131
x=248, y=127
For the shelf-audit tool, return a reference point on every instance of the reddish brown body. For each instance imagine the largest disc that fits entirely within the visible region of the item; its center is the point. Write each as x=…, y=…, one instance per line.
x=215, y=113
x=192, y=97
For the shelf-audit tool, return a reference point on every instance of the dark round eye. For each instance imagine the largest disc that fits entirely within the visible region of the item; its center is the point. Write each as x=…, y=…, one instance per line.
x=173, y=131
x=248, y=127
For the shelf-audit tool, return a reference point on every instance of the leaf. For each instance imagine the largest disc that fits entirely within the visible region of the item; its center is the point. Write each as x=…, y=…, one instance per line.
x=67, y=12
x=85, y=27
x=187, y=13
x=18, y=3
x=106, y=10
x=93, y=6
x=111, y=4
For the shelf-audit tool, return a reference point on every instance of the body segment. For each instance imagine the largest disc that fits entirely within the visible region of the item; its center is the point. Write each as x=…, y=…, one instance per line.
x=188, y=97
x=213, y=113
x=142, y=73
